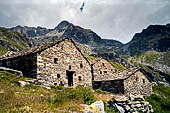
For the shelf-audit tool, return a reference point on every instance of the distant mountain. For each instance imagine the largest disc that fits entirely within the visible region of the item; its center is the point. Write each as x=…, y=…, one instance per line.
x=155, y=37
x=13, y=41
x=65, y=29
x=31, y=31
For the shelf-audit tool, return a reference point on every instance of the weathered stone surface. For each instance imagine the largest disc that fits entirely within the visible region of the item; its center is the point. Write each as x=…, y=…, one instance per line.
x=132, y=104
x=57, y=63
x=96, y=107
x=23, y=83
x=1, y=91
x=127, y=82
x=137, y=84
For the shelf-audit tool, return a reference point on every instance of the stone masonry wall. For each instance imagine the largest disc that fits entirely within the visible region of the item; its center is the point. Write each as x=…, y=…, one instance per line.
x=54, y=62
x=26, y=64
x=102, y=70
x=137, y=84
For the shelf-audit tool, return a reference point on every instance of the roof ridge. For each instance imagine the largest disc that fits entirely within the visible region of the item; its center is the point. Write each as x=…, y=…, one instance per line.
x=34, y=49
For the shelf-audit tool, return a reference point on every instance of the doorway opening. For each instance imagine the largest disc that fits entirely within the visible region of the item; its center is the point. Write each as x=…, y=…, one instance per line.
x=70, y=77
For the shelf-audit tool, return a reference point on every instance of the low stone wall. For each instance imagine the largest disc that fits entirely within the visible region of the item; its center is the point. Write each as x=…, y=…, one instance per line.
x=131, y=104
x=11, y=71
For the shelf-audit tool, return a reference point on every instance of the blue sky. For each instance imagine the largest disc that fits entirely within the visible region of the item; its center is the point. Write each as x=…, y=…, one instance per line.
x=110, y=19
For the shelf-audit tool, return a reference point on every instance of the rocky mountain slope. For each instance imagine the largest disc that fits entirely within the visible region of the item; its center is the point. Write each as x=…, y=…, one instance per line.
x=12, y=41
x=87, y=40
x=65, y=29
x=155, y=37
x=31, y=31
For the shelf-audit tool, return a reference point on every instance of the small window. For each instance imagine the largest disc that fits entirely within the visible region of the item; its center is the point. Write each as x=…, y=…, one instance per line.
x=103, y=64
x=105, y=71
x=55, y=60
x=137, y=78
x=80, y=79
x=69, y=67
x=100, y=72
x=81, y=65
x=58, y=75
x=144, y=81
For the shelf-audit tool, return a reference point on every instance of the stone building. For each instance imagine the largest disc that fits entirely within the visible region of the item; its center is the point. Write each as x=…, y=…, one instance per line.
x=127, y=82
x=57, y=63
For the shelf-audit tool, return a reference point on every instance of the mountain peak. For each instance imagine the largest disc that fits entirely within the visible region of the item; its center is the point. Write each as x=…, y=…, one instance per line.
x=63, y=24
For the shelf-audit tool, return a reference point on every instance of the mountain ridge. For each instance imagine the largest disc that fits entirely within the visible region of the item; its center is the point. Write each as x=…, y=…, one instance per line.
x=66, y=29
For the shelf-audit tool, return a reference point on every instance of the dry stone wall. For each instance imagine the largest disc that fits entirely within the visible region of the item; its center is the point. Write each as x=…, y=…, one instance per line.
x=102, y=70
x=137, y=84
x=57, y=63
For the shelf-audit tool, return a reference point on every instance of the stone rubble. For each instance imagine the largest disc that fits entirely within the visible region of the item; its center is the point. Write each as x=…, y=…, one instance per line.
x=131, y=104
x=96, y=107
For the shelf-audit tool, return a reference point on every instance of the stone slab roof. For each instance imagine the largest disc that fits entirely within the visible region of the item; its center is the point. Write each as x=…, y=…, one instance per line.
x=32, y=50
x=120, y=75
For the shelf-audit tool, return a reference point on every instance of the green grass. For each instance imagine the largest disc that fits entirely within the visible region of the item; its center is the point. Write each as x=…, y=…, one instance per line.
x=31, y=98
x=160, y=100
x=3, y=50
x=8, y=78
x=100, y=91
x=149, y=56
x=13, y=38
x=90, y=57
x=118, y=66
x=166, y=58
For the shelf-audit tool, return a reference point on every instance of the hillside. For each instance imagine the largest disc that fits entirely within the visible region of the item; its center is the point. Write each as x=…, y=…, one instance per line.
x=31, y=31
x=154, y=37
x=12, y=41
x=66, y=29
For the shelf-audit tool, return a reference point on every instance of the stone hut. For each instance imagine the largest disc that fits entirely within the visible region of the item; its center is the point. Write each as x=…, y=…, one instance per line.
x=102, y=69
x=126, y=82
x=56, y=63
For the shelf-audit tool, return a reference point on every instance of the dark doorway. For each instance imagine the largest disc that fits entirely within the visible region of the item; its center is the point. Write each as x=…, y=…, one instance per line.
x=70, y=77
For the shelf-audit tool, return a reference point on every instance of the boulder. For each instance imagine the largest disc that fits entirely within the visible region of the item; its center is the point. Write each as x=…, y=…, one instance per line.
x=1, y=91
x=121, y=99
x=23, y=83
x=97, y=107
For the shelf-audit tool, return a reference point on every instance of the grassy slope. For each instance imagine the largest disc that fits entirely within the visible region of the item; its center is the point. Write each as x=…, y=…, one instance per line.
x=160, y=100
x=16, y=99
x=7, y=36
x=3, y=50
x=118, y=66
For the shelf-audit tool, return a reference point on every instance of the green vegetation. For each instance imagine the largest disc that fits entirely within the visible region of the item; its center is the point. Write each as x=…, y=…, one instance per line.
x=146, y=57
x=31, y=98
x=12, y=39
x=100, y=91
x=160, y=100
x=166, y=58
x=3, y=50
x=90, y=57
x=150, y=56
x=155, y=74
x=118, y=66
x=8, y=78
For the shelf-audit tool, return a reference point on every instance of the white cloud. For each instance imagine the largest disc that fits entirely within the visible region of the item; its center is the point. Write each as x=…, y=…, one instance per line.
x=114, y=19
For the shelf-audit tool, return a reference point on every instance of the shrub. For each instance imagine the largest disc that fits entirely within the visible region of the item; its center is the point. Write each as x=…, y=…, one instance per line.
x=160, y=100
x=79, y=94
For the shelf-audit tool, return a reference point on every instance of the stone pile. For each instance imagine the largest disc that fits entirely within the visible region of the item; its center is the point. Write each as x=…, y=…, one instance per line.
x=96, y=107
x=131, y=104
